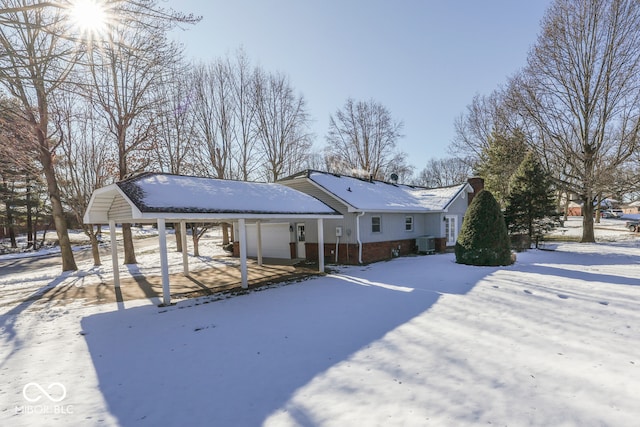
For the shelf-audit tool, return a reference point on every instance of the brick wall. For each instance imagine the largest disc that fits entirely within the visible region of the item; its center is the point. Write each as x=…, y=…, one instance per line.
x=441, y=244
x=477, y=184
x=378, y=251
x=347, y=253
x=311, y=251
x=292, y=250
x=371, y=252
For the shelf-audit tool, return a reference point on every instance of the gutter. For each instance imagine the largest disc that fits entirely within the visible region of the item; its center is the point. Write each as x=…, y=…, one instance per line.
x=358, y=236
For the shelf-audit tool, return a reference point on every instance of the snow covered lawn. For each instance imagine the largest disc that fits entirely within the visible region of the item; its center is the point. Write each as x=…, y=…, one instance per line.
x=552, y=340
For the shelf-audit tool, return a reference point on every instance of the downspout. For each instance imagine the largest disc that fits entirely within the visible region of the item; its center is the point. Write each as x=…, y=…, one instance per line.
x=358, y=236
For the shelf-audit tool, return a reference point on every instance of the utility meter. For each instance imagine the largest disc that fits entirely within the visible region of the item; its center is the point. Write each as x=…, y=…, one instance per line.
x=338, y=231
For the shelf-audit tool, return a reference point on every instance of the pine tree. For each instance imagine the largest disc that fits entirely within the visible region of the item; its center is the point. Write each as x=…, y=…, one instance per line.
x=499, y=162
x=483, y=238
x=531, y=208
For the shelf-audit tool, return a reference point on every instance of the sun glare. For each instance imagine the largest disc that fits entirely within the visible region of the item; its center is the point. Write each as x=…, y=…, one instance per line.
x=89, y=17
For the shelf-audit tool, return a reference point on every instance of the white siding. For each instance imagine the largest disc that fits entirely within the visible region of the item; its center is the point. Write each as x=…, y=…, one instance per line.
x=433, y=225
x=120, y=209
x=392, y=226
x=348, y=223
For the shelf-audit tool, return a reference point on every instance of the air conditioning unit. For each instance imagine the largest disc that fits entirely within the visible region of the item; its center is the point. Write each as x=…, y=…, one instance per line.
x=426, y=244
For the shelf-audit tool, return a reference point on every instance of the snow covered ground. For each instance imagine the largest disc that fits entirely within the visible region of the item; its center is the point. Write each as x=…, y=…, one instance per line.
x=551, y=340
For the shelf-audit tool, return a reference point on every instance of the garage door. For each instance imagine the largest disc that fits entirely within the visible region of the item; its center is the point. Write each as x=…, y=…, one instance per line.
x=275, y=240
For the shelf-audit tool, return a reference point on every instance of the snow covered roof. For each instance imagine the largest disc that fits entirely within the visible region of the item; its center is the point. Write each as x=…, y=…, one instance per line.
x=379, y=196
x=159, y=195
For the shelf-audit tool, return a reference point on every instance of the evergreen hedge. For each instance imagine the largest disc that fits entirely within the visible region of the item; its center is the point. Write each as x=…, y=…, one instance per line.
x=483, y=238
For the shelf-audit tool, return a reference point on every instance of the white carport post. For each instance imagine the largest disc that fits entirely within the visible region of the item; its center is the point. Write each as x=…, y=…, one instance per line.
x=164, y=263
x=243, y=252
x=114, y=253
x=321, y=245
x=185, y=253
x=259, y=231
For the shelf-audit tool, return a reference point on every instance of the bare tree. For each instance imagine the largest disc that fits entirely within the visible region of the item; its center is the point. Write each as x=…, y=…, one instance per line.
x=245, y=155
x=214, y=108
x=35, y=59
x=443, y=173
x=581, y=92
x=39, y=46
x=281, y=125
x=487, y=115
x=124, y=71
x=87, y=155
x=363, y=136
x=175, y=128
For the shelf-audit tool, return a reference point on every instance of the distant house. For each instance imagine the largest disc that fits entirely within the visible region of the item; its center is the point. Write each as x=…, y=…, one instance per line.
x=574, y=207
x=632, y=208
x=380, y=219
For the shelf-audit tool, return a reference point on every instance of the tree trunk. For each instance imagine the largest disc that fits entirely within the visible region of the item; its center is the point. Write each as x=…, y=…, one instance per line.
x=129, y=249
x=95, y=249
x=588, y=235
x=225, y=233
x=12, y=237
x=31, y=232
x=178, y=228
x=10, y=228
x=46, y=158
x=36, y=219
x=44, y=234
x=196, y=239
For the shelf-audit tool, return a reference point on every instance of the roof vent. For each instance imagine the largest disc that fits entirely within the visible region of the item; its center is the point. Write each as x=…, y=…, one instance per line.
x=394, y=178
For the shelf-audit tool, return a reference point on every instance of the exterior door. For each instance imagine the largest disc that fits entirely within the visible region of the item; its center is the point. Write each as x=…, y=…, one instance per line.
x=300, y=241
x=451, y=229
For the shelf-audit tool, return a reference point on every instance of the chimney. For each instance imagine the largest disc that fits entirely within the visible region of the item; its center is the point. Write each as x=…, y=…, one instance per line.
x=477, y=184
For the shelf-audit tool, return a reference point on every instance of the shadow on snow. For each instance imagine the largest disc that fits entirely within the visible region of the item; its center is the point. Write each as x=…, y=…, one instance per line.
x=236, y=361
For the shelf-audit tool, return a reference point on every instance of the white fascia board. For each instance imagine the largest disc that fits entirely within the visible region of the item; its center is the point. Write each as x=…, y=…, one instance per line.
x=467, y=187
x=204, y=217
x=91, y=217
x=109, y=191
x=406, y=212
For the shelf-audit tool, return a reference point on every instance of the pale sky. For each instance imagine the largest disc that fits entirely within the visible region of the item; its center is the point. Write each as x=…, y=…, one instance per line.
x=423, y=60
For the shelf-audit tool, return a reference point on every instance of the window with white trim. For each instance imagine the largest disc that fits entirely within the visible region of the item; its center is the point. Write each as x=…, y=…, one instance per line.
x=408, y=223
x=376, y=224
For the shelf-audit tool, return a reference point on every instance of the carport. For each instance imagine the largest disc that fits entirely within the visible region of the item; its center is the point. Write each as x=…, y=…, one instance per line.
x=157, y=198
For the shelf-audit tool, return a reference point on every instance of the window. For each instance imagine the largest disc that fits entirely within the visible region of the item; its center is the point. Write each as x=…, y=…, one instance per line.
x=408, y=223
x=375, y=224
